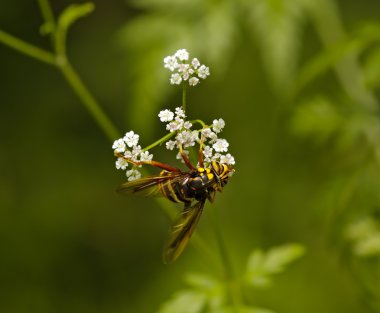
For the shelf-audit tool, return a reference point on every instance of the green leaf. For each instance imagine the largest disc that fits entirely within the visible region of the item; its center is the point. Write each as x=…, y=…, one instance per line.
x=70, y=15
x=372, y=69
x=186, y=301
x=364, y=235
x=243, y=309
x=317, y=117
x=277, y=25
x=262, y=266
x=201, y=281
x=352, y=45
x=213, y=289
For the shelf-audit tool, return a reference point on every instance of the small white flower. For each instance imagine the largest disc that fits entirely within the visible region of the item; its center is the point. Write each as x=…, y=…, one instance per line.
x=183, y=67
x=206, y=132
x=146, y=157
x=175, y=125
x=175, y=79
x=133, y=174
x=128, y=155
x=171, y=63
x=227, y=159
x=135, y=153
x=185, y=75
x=203, y=71
x=119, y=145
x=216, y=157
x=218, y=125
x=180, y=121
x=182, y=54
x=207, y=160
x=207, y=152
x=195, y=134
x=179, y=112
x=187, y=125
x=172, y=126
x=221, y=145
x=193, y=81
x=195, y=63
x=187, y=138
x=170, y=145
x=131, y=139
x=213, y=137
x=166, y=116
x=121, y=163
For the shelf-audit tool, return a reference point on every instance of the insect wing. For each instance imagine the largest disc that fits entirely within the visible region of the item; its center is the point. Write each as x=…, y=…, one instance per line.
x=146, y=186
x=182, y=230
x=150, y=186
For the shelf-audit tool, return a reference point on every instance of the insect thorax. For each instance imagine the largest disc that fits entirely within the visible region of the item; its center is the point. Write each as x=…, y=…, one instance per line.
x=206, y=180
x=198, y=185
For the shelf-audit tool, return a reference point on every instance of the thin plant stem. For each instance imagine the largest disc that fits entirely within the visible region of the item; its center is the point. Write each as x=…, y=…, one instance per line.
x=48, y=16
x=184, y=97
x=160, y=141
x=199, y=122
x=27, y=48
x=170, y=135
x=232, y=284
x=88, y=100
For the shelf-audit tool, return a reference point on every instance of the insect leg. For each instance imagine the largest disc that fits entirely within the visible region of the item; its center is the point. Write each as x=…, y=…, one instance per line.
x=185, y=158
x=152, y=163
x=201, y=162
x=164, y=166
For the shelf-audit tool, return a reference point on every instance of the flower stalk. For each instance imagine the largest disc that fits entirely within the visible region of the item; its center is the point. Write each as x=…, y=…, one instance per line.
x=59, y=60
x=184, y=97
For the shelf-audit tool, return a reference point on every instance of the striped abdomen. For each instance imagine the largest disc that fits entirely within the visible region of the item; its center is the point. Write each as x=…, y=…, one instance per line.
x=196, y=185
x=174, y=189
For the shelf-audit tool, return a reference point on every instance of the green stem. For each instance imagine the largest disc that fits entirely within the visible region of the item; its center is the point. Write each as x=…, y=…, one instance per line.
x=170, y=135
x=199, y=122
x=232, y=284
x=26, y=48
x=160, y=141
x=88, y=100
x=184, y=97
x=48, y=16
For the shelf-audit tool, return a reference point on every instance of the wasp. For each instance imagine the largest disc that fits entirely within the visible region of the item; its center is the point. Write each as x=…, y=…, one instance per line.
x=192, y=188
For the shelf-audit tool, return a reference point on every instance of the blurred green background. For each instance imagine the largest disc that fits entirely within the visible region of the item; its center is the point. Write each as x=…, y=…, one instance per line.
x=297, y=83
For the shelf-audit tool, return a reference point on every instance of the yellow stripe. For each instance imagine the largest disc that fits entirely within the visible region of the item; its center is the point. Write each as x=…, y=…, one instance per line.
x=225, y=170
x=172, y=192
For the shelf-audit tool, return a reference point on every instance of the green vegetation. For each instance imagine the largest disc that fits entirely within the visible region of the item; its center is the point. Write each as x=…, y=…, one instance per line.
x=297, y=83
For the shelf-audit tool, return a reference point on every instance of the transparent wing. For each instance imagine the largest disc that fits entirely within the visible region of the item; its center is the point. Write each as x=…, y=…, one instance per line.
x=182, y=230
x=149, y=186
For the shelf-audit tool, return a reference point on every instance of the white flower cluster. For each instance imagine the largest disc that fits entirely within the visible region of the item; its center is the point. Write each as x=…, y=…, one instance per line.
x=129, y=151
x=182, y=70
x=212, y=145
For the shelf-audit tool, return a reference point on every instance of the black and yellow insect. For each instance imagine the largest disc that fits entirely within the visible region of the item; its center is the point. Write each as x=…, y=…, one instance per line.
x=192, y=188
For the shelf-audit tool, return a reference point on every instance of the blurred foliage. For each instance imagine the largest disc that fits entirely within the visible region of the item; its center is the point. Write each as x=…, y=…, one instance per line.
x=262, y=266
x=298, y=85
x=208, y=294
